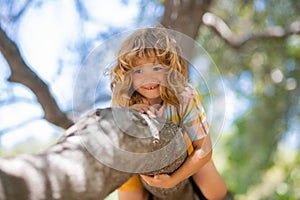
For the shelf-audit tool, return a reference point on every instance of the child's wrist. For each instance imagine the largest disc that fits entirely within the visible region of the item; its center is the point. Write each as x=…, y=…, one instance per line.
x=175, y=179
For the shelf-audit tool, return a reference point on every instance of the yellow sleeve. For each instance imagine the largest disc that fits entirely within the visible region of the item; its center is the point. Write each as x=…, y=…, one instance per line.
x=133, y=184
x=189, y=144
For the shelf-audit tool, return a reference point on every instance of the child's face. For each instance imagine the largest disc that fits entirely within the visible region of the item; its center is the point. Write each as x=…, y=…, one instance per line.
x=147, y=78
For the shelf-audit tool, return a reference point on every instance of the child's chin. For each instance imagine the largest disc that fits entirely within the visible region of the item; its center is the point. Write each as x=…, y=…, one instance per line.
x=152, y=96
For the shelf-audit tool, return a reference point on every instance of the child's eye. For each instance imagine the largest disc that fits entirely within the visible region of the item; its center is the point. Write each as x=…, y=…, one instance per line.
x=157, y=68
x=137, y=71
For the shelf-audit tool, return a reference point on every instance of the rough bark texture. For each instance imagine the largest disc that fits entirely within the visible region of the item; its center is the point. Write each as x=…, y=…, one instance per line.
x=71, y=169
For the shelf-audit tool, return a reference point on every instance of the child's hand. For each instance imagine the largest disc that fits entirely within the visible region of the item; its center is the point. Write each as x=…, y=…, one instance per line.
x=160, y=181
x=152, y=111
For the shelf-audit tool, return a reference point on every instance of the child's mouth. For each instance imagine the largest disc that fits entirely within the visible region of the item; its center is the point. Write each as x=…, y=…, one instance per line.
x=151, y=87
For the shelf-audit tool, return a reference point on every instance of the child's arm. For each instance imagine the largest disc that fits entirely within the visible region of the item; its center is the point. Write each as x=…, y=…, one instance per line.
x=201, y=155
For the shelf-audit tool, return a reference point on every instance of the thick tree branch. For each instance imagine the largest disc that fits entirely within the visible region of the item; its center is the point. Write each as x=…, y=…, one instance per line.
x=235, y=41
x=71, y=168
x=21, y=73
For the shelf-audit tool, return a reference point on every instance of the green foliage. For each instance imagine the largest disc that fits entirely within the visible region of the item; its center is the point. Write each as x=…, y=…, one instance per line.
x=273, y=69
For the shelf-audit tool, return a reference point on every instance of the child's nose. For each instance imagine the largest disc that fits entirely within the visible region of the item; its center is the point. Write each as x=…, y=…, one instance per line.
x=149, y=77
x=148, y=74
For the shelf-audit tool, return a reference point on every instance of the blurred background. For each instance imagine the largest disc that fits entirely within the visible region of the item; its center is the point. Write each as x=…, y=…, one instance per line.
x=255, y=45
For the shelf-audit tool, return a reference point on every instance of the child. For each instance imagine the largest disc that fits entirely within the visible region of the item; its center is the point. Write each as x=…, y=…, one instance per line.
x=151, y=76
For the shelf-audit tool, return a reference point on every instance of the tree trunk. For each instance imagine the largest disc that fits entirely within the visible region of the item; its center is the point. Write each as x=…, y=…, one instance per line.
x=185, y=16
x=82, y=165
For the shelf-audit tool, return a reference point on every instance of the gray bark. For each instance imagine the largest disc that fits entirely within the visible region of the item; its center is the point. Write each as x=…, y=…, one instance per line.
x=82, y=165
x=185, y=16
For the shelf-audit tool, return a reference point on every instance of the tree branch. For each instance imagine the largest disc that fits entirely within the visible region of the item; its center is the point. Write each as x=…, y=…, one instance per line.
x=79, y=165
x=21, y=73
x=235, y=41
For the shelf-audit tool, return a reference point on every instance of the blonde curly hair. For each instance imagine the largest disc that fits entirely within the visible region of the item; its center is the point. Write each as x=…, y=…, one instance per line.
x=148, y=43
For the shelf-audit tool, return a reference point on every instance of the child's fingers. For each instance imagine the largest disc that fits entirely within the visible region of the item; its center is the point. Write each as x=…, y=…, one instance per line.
x=156, y=106
x=151, y=114
x=153, y=110
x=140, y=107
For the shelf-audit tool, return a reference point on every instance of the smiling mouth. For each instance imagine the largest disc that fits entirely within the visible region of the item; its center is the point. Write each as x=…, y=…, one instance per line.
x=151, y=87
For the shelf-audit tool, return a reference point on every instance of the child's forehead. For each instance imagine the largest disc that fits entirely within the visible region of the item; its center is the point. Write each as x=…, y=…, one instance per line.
x=145, y=60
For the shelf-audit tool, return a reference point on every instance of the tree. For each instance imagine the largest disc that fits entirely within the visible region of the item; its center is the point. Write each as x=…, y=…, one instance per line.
x=256, y=46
